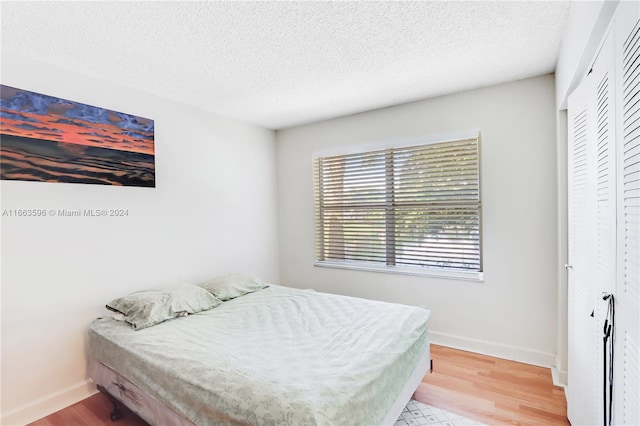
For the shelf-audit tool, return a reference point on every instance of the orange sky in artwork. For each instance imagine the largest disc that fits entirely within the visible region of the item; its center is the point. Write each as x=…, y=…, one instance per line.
x=102, y=135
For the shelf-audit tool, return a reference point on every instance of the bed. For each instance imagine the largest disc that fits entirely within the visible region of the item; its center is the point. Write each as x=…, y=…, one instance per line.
x=273, y=356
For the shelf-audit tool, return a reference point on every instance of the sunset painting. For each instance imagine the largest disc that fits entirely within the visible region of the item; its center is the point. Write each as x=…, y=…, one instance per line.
x=48, y=139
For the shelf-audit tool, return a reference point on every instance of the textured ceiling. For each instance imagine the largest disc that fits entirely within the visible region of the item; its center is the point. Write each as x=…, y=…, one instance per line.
x=280, y=64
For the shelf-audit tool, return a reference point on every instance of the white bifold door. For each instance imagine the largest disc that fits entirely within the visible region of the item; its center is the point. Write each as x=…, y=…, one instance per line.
x=604, y=228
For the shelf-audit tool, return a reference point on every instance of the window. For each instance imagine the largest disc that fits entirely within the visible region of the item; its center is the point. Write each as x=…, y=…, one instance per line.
x=413, y=209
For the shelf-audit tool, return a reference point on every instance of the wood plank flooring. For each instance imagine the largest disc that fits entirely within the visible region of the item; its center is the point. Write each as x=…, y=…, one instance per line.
x=93, y=411
x=491, y=390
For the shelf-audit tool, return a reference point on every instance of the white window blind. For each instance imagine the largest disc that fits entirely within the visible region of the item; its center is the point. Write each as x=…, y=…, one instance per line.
x=416, y=206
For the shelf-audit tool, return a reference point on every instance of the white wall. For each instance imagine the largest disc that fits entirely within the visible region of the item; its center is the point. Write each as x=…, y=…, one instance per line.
x=513, y=313
x=213, y=211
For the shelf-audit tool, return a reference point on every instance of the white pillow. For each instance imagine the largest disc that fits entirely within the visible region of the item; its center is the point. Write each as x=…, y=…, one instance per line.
x=233, y=285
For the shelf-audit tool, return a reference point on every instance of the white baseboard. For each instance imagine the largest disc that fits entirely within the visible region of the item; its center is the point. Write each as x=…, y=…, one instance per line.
x=514, y=353
x=559, y=372
x=559, y=377
x=49, y=404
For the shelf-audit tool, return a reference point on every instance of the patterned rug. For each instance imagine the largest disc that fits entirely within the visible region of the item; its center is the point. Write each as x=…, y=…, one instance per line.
x=419, y=414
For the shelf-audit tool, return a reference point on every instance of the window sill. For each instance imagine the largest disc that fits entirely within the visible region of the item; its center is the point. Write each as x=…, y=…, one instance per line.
x=405, y=270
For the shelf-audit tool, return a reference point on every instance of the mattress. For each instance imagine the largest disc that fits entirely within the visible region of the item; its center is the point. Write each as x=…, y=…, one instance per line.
x=156, y=413
x=276, y=356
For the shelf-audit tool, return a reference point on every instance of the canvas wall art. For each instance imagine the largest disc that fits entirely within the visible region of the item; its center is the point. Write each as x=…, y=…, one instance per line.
x=48, y=139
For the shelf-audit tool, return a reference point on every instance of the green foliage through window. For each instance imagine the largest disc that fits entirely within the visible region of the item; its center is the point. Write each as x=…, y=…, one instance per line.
x=411, y=206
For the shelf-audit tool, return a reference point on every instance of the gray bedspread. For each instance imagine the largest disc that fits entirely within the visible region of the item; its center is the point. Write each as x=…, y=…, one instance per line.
x=273, y=357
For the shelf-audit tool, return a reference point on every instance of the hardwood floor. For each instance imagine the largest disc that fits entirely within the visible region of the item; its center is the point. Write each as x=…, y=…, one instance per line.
x=491, y=390
x=93, y=411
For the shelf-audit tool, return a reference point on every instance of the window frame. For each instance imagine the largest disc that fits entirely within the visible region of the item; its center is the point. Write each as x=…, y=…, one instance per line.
x=432, y=271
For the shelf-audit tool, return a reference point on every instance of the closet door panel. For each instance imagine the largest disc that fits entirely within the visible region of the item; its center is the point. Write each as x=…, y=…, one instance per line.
x=604, y=227
x=627, y=334
x=602, y=107
x=582, y=353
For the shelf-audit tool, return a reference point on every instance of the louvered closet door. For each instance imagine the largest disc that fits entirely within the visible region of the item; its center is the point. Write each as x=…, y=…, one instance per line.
x=602, y=106
x=582, y=376
x=627, y=336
